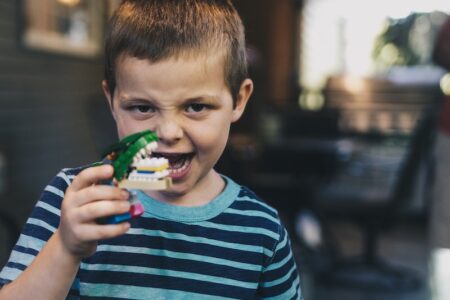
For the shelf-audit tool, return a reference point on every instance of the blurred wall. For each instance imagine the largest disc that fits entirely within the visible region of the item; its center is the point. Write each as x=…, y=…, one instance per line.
x=51, y=112
x=272, y=28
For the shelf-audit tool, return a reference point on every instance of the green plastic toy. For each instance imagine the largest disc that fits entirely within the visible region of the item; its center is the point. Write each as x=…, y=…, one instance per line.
x=134, y=168
x=129, y=153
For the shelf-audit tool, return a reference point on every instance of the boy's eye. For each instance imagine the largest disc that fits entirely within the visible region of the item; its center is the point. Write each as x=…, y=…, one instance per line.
x=143, y=108
x=196, y=107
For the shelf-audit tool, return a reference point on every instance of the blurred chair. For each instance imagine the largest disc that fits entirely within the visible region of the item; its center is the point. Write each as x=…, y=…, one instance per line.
x=375, y=202
x=285, y=164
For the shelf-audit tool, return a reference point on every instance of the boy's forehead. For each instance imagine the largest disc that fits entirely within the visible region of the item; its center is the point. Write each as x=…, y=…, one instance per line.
x=196, y=71
x=211, y=57
x=187, y=70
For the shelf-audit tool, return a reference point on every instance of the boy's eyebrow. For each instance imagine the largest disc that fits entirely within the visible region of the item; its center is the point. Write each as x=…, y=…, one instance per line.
x=208, y=98
x=201, y=98
x=135, y=99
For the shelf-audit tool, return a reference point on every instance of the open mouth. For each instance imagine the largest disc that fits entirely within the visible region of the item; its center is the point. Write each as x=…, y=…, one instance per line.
x=146, y=167
x=179, y=163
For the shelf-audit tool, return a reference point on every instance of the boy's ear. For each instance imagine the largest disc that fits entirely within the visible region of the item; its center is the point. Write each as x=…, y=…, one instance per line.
x=245, y=91
x=108, y=96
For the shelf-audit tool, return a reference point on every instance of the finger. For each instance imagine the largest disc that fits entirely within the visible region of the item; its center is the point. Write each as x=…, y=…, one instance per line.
x=99, y=192
x=91, y=176
x=95, y=210
x=93, y=232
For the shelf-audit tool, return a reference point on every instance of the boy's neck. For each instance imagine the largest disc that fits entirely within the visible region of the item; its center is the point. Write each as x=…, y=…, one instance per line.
x=205, y=191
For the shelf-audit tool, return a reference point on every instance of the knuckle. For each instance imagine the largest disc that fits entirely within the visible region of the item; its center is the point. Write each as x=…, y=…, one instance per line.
x=113, y=194
x=78, y=179
x=86, y=173
x=112, y=208
x=89, y=193
x=89, y=210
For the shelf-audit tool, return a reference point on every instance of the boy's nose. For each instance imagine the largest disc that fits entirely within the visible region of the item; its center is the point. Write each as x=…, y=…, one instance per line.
x=169, y=131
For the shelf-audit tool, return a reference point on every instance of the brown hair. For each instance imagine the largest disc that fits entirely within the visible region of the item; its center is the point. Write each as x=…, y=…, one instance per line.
x=159, y=29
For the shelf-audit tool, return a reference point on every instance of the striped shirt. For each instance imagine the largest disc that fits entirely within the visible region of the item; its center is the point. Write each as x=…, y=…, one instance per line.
x=234, y=247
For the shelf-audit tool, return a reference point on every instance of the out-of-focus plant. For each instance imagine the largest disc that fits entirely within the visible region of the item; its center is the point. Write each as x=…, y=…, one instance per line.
x=408, y=41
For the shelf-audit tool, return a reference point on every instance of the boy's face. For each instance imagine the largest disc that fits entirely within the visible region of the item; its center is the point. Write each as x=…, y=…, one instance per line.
x=187, y=103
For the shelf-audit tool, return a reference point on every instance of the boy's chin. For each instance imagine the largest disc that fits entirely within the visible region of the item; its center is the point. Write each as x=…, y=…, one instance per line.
x=173, y=194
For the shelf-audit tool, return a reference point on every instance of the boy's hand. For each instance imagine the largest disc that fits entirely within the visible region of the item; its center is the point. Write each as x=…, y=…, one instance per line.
x=83, y=204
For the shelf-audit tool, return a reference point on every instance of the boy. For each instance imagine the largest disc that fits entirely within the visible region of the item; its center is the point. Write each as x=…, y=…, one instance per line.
x=177, y=68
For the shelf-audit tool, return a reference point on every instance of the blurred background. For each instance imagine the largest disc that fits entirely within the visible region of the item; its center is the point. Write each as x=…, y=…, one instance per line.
x=347, y=133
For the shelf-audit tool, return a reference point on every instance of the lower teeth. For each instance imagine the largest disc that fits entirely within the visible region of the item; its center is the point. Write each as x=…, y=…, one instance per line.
x=178, y=169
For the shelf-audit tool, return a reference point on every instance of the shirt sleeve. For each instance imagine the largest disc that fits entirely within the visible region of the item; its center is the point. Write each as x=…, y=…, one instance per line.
x=280, y=278
x=42, y=223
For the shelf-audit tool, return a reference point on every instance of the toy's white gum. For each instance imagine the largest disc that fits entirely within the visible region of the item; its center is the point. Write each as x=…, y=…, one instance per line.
x=159, y=184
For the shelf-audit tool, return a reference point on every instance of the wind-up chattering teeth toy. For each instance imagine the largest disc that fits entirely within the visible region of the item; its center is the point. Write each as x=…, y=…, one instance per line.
x=136, y=169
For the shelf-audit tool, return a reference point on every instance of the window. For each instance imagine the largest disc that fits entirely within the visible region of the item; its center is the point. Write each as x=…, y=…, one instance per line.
x=339, y=36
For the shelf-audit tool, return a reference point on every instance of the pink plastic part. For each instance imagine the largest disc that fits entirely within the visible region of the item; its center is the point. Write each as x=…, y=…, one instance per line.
x=136, y=210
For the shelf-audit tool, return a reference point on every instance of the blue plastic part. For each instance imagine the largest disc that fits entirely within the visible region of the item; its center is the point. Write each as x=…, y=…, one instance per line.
x=145, y=172
x=119, y=218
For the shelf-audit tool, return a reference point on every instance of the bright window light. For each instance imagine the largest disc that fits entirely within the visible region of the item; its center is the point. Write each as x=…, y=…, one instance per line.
x=338, y=35
x=440, y=273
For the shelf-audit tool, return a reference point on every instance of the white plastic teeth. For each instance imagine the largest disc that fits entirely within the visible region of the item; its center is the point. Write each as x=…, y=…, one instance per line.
x=144, y=153
x=152, y=162
x=151, y=147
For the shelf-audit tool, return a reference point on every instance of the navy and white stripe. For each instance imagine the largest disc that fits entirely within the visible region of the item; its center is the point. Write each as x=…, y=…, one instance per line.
x=232, y=248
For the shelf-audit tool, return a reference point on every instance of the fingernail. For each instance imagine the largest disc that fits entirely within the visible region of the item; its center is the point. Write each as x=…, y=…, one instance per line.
x=108, y=169
x=125, y=194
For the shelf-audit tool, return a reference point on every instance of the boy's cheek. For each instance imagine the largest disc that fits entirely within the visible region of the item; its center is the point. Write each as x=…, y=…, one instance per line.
x=125, y=129
x=127, y=126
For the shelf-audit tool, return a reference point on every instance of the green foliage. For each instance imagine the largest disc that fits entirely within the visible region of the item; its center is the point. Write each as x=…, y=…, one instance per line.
x=408, y=41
